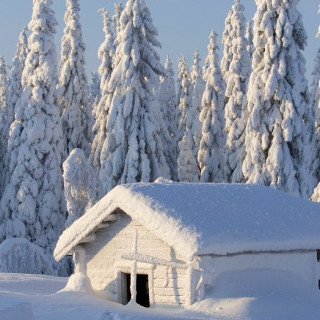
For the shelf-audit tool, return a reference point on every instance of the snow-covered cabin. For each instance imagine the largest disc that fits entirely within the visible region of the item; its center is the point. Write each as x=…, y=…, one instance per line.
x=165, y=243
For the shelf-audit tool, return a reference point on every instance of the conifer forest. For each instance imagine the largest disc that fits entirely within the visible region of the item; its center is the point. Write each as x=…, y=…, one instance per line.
x=245, y=113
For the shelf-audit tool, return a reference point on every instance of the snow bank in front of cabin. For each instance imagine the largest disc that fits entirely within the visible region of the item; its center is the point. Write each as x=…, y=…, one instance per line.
x=264, y=294
x=238, y=295
x=197, y=219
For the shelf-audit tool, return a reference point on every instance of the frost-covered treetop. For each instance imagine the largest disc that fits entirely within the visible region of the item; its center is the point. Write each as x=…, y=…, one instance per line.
x=15, y=89
x=15, y=92
x=21, y=55
x=139, y=35
x=22, y=47
x=106, y=50
x=212, y=61
x=73, y=47
x=183, y=71
x=43, y=19
x=4, y=97
x=196, y=70
x=3, y=81
x=249, y=37
x=95, y=91
x=184, y=95
x=4, y=91
x=169, y=68
x=17, y=68
x=235, y=64
x=318, y=34
x=41, y=42
x=197, y=93
x=116, y=18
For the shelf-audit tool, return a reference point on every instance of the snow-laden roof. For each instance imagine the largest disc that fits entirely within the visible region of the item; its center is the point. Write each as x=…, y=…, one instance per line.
x=198, y=219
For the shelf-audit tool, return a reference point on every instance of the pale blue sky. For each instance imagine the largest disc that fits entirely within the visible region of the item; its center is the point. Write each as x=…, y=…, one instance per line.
x=183, y=25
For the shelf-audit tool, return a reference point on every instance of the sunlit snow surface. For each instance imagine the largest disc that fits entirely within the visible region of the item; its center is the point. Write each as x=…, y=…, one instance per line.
x=240, y=295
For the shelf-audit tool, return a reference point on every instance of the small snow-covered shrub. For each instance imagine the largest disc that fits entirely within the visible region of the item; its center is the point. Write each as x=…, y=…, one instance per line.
x=18, y=255
x=80, y=185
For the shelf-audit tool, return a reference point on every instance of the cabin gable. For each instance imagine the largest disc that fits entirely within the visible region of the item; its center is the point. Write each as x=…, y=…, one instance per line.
x=106, y=262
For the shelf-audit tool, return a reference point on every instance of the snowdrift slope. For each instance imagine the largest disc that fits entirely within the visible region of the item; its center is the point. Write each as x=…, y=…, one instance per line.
x=239, y=295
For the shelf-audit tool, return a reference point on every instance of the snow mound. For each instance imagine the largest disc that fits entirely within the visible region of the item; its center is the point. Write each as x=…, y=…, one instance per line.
x=18, y=255
x=78, y=282
x=21, y=311
x=238, y=295
x=260, y=294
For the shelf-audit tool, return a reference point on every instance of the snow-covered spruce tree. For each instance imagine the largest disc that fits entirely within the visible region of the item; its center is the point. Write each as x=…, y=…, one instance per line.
x=73, y=84
x=116, y=20
x=106, y=55
x=32, y=206
x=212, y=144
x=198, y=87
x=4, y=96
x=15, y=92
x=235, y=67
x=94, y=92
x=80, y=185
x=132, y=150
x=168, y=116
x=280, y=123
x=16, y=83
x=314, y=87
x=188, y=170
x=184, y=96
x=94, y=99
x=249, y=37
x=315, y=104
x=4, y=109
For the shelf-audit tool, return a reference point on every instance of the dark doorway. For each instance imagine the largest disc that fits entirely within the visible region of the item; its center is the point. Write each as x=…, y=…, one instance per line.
x=143, y=290
x=143, y=298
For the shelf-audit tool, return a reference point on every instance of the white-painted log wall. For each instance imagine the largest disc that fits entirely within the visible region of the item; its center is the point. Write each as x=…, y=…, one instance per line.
x=104, y=261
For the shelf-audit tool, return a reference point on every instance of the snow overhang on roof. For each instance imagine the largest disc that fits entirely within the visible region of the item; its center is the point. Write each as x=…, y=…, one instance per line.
x=199, y=219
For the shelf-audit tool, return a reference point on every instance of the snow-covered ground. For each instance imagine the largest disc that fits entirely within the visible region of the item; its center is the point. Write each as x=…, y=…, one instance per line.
x=241, y=295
